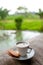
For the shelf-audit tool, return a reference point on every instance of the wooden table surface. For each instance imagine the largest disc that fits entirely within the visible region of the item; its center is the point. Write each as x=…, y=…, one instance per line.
x=37, y=44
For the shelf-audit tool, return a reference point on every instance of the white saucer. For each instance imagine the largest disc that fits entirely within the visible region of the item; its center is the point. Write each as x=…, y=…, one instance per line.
x=29, y=55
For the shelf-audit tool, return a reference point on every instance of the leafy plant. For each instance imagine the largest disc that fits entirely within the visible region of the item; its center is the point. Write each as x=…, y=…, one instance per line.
x=3, y=13
x=18, y=22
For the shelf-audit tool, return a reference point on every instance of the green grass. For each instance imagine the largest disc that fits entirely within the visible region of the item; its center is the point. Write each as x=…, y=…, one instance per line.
x=27, y=24
x=31, y=25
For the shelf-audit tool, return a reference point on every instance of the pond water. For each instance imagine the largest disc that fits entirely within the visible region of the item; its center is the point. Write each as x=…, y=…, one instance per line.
x=8, y=38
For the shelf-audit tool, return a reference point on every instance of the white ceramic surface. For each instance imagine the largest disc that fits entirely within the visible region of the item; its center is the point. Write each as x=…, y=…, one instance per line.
x=22, y=47
x=28, y=55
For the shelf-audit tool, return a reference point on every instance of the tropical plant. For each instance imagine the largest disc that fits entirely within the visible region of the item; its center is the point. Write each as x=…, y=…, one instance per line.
x=3, y=13
x=24, y=9
x=41, y=17
x=18, y=22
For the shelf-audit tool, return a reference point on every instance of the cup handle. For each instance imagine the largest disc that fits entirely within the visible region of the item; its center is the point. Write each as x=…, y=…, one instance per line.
x=30, y=49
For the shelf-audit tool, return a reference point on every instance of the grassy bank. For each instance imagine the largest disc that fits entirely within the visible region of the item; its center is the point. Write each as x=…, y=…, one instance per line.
x=27, y=24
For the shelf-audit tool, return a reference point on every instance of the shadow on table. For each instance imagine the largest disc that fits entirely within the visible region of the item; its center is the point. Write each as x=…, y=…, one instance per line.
x=25, y=62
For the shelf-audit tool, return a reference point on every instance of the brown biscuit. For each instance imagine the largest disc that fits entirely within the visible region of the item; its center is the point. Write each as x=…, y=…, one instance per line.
x=13, y=53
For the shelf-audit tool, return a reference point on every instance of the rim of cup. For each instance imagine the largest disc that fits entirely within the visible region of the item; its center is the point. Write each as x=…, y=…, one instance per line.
x=21, y=43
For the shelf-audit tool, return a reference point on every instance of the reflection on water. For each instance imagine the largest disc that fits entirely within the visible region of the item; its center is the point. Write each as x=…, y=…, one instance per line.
x=9, y=40
x=19, y=36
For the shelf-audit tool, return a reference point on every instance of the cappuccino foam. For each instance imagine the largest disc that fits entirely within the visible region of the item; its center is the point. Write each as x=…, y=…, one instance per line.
x=22, y=45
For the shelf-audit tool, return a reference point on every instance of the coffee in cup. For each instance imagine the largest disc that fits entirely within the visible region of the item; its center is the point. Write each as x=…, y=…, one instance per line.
x=22, y=48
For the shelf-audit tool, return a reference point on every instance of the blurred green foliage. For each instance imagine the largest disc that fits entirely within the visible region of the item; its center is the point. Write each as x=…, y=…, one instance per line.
x=18, y=22
x=3, y=13
x=27, y=24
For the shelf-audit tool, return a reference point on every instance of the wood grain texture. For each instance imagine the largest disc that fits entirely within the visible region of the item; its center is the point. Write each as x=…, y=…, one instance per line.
x=37, y=44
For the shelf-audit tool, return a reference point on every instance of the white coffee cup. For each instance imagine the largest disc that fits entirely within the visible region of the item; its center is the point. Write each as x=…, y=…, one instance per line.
x=22, y=48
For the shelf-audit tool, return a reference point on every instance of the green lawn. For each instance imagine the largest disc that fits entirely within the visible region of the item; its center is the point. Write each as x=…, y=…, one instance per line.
x=27, y=24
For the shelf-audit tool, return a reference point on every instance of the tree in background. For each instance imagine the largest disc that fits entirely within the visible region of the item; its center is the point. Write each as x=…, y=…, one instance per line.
x=41, y=17
x=40, y=14
x=24, y=9
x=3, y=13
